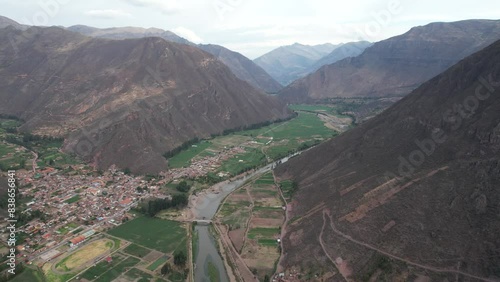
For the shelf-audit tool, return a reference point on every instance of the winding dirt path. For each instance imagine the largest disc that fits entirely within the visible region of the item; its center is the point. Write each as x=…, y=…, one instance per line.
x=279, y=267
x=243, y=271
x=324, y=248
x=434, y=269
x=35, y=158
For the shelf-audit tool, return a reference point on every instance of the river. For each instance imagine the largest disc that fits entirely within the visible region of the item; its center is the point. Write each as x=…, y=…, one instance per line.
x=208, y=204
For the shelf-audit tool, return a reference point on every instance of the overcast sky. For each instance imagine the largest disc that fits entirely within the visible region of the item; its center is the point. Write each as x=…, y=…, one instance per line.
x=254, y=27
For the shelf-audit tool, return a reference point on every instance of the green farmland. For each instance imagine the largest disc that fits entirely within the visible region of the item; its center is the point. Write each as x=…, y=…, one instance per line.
x=162, y=235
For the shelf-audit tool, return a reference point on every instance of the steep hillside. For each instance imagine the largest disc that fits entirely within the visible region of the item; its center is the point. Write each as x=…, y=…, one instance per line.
x=5, y=22
x=123, y=102
x=287, y=63
x=244, y=68
x=412, y=194
x=128, y=33
x=398, y=65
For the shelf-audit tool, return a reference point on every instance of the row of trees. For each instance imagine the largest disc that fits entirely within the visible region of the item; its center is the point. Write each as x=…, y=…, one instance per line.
x=180, y=260
x=151, y=207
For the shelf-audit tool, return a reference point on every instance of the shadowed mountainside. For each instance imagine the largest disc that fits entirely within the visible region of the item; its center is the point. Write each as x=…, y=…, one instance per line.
x=244, y=68
x=123, y=102
x=398, y=65
x=413, y=192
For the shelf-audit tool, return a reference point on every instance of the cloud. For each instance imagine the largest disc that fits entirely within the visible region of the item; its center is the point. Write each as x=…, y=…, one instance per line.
x=188, y=34
x=108, y=14
x=165, y=6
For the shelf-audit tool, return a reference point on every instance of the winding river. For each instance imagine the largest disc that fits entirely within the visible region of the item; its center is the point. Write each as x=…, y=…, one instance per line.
x=208, y=204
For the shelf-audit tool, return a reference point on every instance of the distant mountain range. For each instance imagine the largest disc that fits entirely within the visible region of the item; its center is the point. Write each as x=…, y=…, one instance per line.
x=287, y=63
x=123, y=102
x=412, y=194
x=351, y=49
x=128, y=33
x=398, y=65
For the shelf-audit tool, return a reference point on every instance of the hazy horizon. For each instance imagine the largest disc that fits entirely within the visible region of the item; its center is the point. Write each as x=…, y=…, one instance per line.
x=252, y=28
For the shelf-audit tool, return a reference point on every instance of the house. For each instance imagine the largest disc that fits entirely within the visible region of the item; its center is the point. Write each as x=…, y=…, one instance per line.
x=125, y=202
x=77, y=240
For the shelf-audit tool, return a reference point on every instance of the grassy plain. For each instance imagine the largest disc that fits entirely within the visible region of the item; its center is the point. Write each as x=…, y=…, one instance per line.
x=162, y=235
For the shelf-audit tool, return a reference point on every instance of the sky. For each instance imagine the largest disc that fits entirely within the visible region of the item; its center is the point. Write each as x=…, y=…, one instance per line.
x=254, y=27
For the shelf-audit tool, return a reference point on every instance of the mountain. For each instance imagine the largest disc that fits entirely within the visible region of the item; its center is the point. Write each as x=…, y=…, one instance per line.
x=398, y=65
x=410, y=195
x=123, y=102
x=5, y=22
x=128, y=33
x=351, y=49
x=241, y=66
x=287, y=63
x=244, y=68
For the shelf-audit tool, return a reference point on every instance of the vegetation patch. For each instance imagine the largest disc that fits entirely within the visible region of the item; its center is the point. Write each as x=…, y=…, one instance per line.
x=213, y=273
x=118, y=270
x=139, y=275
x=73, y=199
x=260, y=232
x=183, y=159
x=157, y=263
x=136, y=250
x=163, y=235
x=103, y=266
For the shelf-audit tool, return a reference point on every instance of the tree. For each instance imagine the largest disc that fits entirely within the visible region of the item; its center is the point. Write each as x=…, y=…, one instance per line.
x=166, y=269
x=180, y=259
x=183, y=187
x=179, y=200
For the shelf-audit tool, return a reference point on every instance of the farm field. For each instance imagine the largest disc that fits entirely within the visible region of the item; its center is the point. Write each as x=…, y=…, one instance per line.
x=29, y=275
x=162, y=235
x=259, y=146
x=159, y=262
x=183, y=159
x=252, y=217
x=15, y=148
x=117, y=270
x=136, y=250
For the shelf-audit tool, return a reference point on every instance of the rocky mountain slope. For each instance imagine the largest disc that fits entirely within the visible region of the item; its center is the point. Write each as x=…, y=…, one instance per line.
x=244, y=68
x=241, y=66
x=123, y=102
x=5, y=22
x=398, y=65
x=287, y=63
x=410, y=195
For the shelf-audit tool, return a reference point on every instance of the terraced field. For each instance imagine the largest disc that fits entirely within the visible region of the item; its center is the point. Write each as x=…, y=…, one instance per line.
x=253, y=216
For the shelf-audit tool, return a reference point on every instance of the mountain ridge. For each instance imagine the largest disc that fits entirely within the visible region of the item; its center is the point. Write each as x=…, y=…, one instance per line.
x=417, y=182
x=123, y=102
x=398, y=65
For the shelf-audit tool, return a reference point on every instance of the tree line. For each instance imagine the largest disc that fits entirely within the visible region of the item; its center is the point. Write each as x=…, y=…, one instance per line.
x=152, y=207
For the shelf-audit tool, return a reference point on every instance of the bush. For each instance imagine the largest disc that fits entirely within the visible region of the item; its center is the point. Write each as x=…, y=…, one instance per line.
x=183, y=187
x=180, y=259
